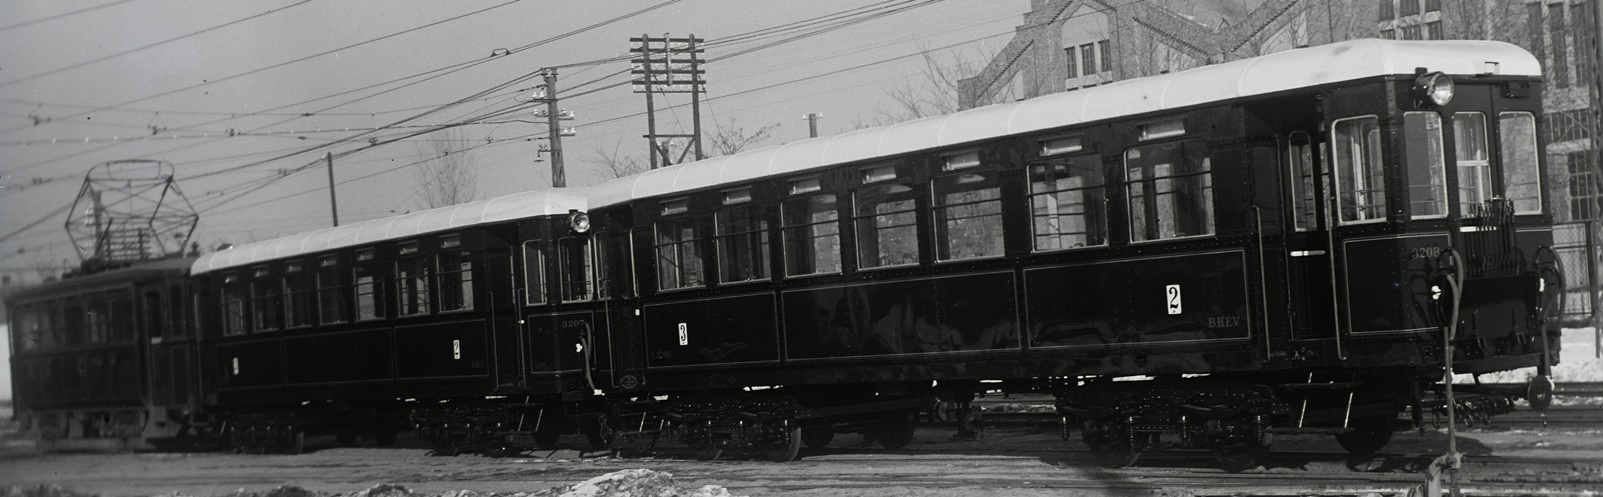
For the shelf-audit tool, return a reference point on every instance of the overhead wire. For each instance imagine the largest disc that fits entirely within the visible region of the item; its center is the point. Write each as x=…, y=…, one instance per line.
x=9, y=27
x=152, y=45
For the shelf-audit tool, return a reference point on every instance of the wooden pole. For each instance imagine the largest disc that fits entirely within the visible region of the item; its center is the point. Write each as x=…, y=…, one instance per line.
x=333, y=204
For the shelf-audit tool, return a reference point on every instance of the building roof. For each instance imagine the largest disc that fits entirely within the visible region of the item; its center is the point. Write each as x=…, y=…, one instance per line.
x=1300, y=68
x=507, y=208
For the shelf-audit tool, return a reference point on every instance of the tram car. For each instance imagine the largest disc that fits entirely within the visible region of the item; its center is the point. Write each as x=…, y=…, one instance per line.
x=105, y=359
x=470, y=324
x=1282, y=244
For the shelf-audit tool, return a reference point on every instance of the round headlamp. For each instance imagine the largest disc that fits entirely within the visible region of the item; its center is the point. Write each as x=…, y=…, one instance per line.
x=578, y=221
x=1433, y=88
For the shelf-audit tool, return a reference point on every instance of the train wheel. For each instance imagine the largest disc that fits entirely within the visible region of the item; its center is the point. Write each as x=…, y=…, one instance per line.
x=345, y=437
x=1369, y=435
x=296, y=442
x=599, y=433
x=787, y=450
x=1110, y=445
x=1240, y=454
x=546, y=439
x=817, y=438
x=705, y=450
x=895, y=431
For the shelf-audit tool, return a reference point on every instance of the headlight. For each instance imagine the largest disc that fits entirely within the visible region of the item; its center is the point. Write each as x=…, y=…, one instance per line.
x=578, y=221
x=1434, y=88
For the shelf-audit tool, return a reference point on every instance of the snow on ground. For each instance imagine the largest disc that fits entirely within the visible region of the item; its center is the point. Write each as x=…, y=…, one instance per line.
x=1578, y=362
x=623, y=483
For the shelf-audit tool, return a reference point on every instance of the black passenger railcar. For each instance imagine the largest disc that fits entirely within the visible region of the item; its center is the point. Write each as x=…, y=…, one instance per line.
x=106, y=360
x=1281, y=242
x=421, y=318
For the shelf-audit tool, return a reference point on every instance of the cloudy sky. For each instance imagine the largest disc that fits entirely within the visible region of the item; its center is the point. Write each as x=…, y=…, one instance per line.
x=83, y=83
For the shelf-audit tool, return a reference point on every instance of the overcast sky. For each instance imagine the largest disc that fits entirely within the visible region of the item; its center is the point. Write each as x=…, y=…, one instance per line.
x=85, y=82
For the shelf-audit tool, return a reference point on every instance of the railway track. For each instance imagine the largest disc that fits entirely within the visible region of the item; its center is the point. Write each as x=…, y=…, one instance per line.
x=1556, y=418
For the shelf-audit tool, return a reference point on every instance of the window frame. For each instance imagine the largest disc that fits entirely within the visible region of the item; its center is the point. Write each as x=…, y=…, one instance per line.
x=857, y=218
x=367, y=262
x=532, y=288
x=1437, y=151
x=299, y=282
x=464, y=287
x=941, y=236
x=680, y=224
x=263, y=278
x=1210, y=220
x=1337, y=170
x=330, y=268
x=752, y=246
x=564, y=275
x=420, y=285
x=806, y=197
x=1535, y=163
x=1486, y=188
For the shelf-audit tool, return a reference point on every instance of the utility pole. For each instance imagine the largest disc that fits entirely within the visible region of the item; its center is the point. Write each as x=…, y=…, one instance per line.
x=558, y=176
x=669, y=65
x=812, y=123
x=333, y=204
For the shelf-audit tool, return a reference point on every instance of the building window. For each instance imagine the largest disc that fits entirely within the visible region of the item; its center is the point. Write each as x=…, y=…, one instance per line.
x=1433, y=5
x=1389, y=34
x=678, y=255
x=1106, y=55
x=1387, y=10
x=1407, y=7
x=811, y=227
x=369, y=291
x=1170, y=189
x=412, y=282
x=1586, y=187
x=456, y=281
x=1067, y=203
x=1073, y=62
x=742, y=237
x=1521, y=180
x=576, y=264
x=1533, y=29
x=1360, y=174
x=1412, y=32
x=333, y=285
x=1433, y=30
x=1561, y=47
x=265, y=299
x=968, y=216
x=300, y=293
x=1581, y=27
x=1088, y=58
x=1474, y=162
x=886, y=224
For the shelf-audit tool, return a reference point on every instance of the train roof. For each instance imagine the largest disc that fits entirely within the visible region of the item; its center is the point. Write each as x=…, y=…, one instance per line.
x=507, y=208
x=133, y=273
x=1281, y=71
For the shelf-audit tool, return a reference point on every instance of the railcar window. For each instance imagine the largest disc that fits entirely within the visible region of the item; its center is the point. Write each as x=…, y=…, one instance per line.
x=333, y=287
x=1170, y=187
x=1067, y=208
x=300, y=290
x=678, y=256
x=456, y=281
x=98, y=323
x=71, y=331
x=811, y=227
x=50, y=336
x=234, y=293
x=151, y=302
x=887, y=225
x=534, y=272
x=1474, y=162
x=265, y=299
x=742, y=234
x=1521, y=181
x=412, y=282
x=122, y=317
x=369, y=291
x=577, y=266
x=28, y=327
x=1300, y=157
x=968, y=216
x=1427, y=175
x=1360, y=177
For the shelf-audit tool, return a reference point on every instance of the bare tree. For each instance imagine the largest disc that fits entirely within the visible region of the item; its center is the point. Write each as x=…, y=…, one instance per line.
x=449, y=178
x=934, y=91
x=614, y=163
x=729, y=138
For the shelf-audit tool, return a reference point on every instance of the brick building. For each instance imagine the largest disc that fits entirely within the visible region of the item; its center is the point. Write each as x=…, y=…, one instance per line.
x=1064, y=45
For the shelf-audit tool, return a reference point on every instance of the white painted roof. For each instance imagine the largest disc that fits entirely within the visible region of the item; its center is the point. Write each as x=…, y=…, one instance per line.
x=510, y=207
x=1300, y=68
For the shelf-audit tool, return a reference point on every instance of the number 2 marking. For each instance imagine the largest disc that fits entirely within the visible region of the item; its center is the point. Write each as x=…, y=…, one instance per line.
x=1174, y=298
